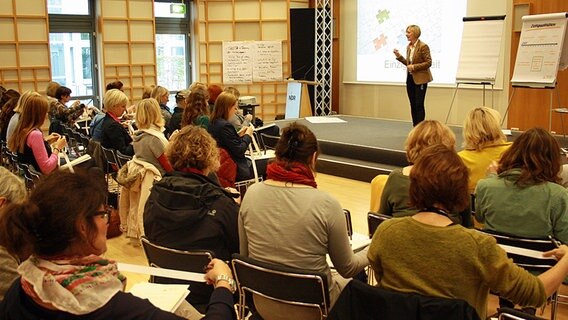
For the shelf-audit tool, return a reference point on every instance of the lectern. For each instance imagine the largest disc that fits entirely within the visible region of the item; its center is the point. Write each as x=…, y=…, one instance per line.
x=298, y=104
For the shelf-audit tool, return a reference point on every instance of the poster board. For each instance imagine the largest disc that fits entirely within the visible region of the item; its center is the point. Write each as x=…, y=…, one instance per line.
x=480, y=49
x=542, y=50
x=245, y=62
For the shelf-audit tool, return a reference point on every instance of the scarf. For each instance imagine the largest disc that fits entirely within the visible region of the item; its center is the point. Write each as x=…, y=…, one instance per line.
x=297, y=173
x=77, y=285
x=156, y=132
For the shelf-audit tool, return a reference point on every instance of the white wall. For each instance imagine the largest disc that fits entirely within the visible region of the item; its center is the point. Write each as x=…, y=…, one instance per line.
x=390, y=100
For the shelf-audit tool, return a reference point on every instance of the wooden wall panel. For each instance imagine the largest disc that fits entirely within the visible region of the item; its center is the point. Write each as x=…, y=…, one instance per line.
x=24, y=45
x=245, y=20
x=530, y=107
x=128, y=44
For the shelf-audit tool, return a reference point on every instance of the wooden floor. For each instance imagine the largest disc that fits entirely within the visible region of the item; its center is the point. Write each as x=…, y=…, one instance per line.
x=353, y=195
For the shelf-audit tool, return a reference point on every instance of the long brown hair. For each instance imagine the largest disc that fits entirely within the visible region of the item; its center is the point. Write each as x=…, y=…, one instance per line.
x=537, y=154
x=196, y=106
x=33, y=110
x=224, y=102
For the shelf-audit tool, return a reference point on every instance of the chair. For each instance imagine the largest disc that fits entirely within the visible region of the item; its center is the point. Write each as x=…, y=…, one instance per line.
x=530, y=263
x=268, y=141
x=122, y=158
x=191, y=261
x=374, y=220
x=512, y=314
x=377, y=186
x=348, y=222
x=162, y=257
x=111, y=162
x=280, y=284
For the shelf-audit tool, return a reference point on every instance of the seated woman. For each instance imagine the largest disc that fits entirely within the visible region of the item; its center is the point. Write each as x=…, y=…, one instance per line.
x=197, y=111
x=429, y=254
x=213, y=92
x=149, y=142
x=12, y=190
x=286, y=220
x=8, y=104
x=186, y=210
x=114, y=134
x=162, y=95
x=63, y=225
x=240, y=121
x=226, y=135
x=181, y=104
x=524, y=199
x=394, y=199
x=27, y=140
x=483, y=142
x=59, y=113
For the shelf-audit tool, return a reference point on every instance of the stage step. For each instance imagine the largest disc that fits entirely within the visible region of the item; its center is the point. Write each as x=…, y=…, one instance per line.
x=352, y=168
x=357, y=161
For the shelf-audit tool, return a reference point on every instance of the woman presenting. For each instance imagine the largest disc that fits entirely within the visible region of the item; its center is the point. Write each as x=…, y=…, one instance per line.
x=418, y=62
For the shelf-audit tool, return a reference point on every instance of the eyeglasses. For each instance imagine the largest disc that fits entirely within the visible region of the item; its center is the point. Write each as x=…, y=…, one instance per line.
x=105, y=213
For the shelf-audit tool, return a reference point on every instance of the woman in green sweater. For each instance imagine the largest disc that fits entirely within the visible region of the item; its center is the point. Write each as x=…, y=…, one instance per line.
x=430, y=255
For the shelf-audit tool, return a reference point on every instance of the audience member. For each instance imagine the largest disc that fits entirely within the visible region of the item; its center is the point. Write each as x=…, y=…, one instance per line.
x=64, y=225
x=59, y=113
x=8, y=103
x=115, y=85
x=483, y=142
x=213, y=92
x=286, y=220
x=27, y=140
x=147, y=91
x=187, y=210
x=149, y=140
x=239, y=120
x=12, y=190
x=114, y=134
x=51, y=89
x=226, y=135
x=16, y=117
x=181, y=104
x=394, y=199
x=525, y=198
x=162, y=95
x=429, y=254
x=197, y=112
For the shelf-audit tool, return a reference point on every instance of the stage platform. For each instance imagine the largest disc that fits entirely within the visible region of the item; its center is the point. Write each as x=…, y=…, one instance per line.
x=362, y=148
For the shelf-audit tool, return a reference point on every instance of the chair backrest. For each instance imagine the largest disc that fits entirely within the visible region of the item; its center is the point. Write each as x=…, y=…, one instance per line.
x=110, y=157
x=510, y=243
x=122, y=158
x=512, y=314
x=348, y=222
x=282, y=284
x=162, y=257
x=268, y=141
x=374, y=220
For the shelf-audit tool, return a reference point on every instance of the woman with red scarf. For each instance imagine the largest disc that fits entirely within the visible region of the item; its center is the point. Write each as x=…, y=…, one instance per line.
x=286, y=220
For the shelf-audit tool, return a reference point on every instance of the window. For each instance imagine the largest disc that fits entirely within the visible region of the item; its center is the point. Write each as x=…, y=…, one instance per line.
x=72, y=47
x=172, y=44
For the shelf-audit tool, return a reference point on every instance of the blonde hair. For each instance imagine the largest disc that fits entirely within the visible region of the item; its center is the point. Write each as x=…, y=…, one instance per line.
x=114, y=98
x=194, y=148
x=481, y=128
x=234, y=91
x=52, y=89
x=33, y=112
x=23, y=98
x=12, y=187
x=148, y=113
x=427, y=133
x=147, y=91
x=415, y=30
x=158, y=92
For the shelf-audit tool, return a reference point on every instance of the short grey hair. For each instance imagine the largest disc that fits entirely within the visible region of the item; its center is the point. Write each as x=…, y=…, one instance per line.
x=12, y=187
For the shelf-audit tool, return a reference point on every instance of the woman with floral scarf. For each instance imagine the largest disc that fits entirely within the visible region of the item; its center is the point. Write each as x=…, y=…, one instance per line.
x=63, y=227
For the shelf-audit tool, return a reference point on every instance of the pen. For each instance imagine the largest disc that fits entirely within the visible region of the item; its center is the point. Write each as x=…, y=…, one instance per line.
x=556, y=243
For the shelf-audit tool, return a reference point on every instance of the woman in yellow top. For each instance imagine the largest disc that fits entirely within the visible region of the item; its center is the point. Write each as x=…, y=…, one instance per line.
x=484, y=143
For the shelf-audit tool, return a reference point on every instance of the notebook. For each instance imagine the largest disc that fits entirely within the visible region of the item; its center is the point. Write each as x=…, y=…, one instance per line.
x=167, y=297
